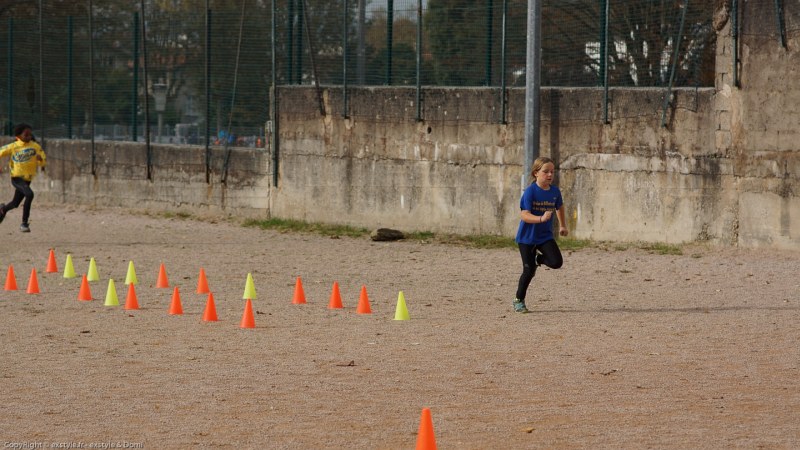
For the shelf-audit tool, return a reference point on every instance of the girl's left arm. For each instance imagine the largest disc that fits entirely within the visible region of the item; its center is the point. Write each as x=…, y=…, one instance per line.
x=562, y=221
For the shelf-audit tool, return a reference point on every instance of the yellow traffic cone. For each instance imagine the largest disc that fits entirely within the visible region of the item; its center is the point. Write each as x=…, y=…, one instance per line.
x=401, y=312
x=249, y=288
x=111, y=294
x=69, y=269
x=92, y=274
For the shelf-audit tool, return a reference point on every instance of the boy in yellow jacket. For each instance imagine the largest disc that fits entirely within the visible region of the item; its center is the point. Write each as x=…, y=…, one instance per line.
x=26, y=157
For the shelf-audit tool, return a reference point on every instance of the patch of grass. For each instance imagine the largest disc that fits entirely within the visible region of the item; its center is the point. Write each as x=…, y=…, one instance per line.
x=652, y=247
x=662, y=249
x=175, y=215
x=290, y=225
x=484, y=241
x=478, y=241
x=575, y=244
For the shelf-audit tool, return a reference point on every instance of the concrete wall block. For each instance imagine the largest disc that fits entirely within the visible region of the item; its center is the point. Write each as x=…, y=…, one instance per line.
x=766, y=220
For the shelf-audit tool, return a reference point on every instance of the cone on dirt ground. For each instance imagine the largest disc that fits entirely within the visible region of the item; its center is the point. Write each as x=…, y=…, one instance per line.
x=426, y=440
x=69, y=269
x=210, y=314
x=51, y=262
x=401, y=312
x=11, y=279
x=131, y=302
x=363, y=302
x=248, y=321
x=175, y=308
x=92, y=274
x=162, y=281
x=85, y=293
x=299, y=295
x=130, y=277
x=202, y=283
x=33, y=283
x=336, y=297
x=111, y=294
x=249, y=288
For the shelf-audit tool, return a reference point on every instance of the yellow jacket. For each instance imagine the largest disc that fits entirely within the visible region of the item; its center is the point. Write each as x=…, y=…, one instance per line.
x=26, y=157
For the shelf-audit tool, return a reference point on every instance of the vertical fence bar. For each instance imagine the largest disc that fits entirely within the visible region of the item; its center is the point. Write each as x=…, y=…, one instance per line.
x=677, y=44
x=42, y=124
x=489, y=37
x=10, y=71
x=301, y=11
x=361, y=55
x=419, y=60
x=779, y=19
x=135, y=87
x=344, y=59
x=533, y=59
x=207, y=79
x=503, y=45
x=274, y=98
x=389, y=40
x=289, y=41
x=146, y=92
x=604, y=59
x=91, y=81
x=735, y=38
x=69, y=77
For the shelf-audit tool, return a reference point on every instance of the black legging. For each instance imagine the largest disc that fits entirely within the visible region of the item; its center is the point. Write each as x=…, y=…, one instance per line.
x=22, y=190
x=551, y=257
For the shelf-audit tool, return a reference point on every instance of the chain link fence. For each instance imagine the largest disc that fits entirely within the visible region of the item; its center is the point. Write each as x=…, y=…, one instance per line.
x=191, y=71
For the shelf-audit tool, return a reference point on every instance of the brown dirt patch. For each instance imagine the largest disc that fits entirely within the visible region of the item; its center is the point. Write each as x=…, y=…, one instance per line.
x=622, y=349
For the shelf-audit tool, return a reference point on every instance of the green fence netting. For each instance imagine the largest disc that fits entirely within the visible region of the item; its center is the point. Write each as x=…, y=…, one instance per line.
x=75, y=68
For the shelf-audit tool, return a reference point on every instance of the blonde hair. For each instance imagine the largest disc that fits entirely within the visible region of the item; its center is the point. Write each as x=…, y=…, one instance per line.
x=537, y=165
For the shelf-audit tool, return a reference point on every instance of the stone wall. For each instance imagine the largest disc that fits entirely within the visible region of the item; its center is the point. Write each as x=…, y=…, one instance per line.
x=724, y=169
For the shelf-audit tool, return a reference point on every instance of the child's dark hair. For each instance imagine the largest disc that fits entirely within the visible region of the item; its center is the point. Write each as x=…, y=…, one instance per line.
x=19, y=129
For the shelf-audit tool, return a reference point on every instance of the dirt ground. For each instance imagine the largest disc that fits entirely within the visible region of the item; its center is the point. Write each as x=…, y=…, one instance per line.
x=623, y=349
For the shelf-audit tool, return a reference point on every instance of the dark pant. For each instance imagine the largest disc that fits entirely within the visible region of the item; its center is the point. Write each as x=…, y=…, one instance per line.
x=550, y=257
x=22, y=190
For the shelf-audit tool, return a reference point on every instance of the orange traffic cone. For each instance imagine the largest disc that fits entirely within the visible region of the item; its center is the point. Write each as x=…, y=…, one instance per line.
x=51, y=262
x=85, y=293
x=210, y=314
x=425, y=437
x=299, y=295
x=175, y=307
x=248, y=321
x=363, y=302
x=202, y=283
x=11, y=280
x=33, y=283
x=162, y=277
x=130, y=301
x=336, y=297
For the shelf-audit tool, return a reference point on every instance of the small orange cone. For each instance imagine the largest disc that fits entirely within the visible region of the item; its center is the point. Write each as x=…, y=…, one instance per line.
x=425, y=437
x=363, y=302
x=210, y=314
x=85, y=293
x=130, y=301
x=11, y=280
x=248, y=321
x=33, y=283
x=175, y=307
x=162, y=277
x=336, y=297
x=299, y=295
x=202, y=283
x=51, y=262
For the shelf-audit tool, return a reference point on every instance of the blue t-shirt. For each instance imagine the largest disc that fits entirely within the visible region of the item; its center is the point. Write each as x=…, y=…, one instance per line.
x=537, y=201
